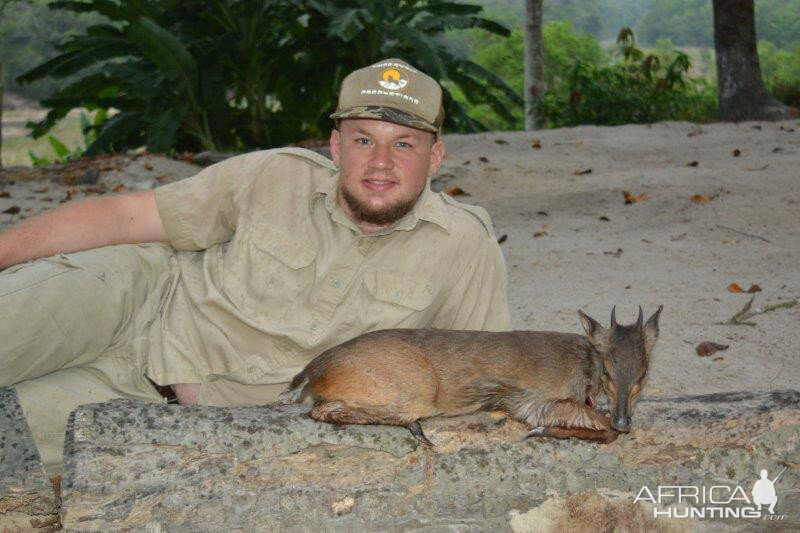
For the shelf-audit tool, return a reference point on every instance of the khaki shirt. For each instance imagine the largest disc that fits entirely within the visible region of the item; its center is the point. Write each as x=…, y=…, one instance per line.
x=271, y=272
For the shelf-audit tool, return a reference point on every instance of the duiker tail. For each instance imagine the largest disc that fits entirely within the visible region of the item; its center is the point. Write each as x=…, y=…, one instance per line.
x=295, y=391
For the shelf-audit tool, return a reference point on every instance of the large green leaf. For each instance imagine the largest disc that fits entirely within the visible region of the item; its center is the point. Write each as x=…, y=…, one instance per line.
x=166, y=51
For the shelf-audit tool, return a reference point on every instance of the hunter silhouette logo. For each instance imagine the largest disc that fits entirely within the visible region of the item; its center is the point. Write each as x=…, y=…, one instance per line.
x=392, y=79
x=716, y=501
x=764, y=491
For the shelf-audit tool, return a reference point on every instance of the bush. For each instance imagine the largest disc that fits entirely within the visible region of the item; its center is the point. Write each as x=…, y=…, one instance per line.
x=639, y=88
x=780, y=69
x=561, y=47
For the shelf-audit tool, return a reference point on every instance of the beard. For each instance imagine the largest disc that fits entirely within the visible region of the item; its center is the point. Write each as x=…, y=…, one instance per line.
x=379, y=216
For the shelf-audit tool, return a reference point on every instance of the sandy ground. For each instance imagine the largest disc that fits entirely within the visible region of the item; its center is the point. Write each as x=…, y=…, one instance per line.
x=573, y=243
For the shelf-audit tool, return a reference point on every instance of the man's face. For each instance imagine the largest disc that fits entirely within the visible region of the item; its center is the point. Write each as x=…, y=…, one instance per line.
x=384, y=168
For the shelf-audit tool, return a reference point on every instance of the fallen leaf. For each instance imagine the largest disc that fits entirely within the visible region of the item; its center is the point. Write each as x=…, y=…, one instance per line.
x=692, y=164
x=538, y=234
x=500, y=141
x=148, y=166
x=704, y=349
x=730, y=424
x=616, y=253
x=694, y=132
x=735, y=288
x=676, y=238
x=119, y=188
x=700, y=198
x=47, y=199
x=536, y=143
x=456, y=191
x=13, y=210
x=467, y=162
x=5, y=194
x=604, y=219
x=757, y=169
x=754, y=288
x=542, y=213
x=483, y=159
x=630, y=198
x=777, y=150
x=718, y=359
x=736, y=152
x=503, y=238
x=757, y=127
x=582, y=172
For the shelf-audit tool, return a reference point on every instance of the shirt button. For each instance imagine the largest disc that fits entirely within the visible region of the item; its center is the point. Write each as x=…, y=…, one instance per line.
x=336, y=283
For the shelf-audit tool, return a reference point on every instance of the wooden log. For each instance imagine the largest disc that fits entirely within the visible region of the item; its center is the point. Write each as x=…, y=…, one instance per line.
x=163, y=468
x=27, y=497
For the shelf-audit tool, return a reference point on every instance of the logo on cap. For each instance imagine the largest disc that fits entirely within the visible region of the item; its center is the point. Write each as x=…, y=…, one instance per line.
x=392, y=79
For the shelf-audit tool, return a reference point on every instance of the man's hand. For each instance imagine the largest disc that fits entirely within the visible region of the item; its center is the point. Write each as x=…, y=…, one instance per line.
x=187, y=393
x=124, y=219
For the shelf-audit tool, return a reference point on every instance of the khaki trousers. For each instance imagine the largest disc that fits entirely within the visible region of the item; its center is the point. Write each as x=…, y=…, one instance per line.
x=73, y=330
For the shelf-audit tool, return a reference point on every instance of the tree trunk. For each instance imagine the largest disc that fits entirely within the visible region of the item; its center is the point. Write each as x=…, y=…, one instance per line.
x=534, y=85
x=741, y=90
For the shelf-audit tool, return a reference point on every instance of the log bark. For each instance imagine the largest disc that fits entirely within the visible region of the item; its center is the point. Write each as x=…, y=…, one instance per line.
x=144, y=466
x=27, y=498
x=534, y=71
x=740, y=87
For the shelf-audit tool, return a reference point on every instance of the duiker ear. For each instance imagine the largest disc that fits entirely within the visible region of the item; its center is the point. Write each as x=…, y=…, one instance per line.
x=651, y=330
x=598, y=335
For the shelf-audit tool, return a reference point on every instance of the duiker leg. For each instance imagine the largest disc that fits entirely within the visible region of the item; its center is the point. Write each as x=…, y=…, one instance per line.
x=338, y=412
x=564, y=419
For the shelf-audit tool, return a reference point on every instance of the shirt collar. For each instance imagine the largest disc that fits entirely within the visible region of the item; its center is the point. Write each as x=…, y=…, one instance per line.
x=429, y=207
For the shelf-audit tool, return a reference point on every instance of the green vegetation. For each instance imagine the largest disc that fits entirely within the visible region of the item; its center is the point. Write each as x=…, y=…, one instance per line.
x=234, y=75
x=639, y=88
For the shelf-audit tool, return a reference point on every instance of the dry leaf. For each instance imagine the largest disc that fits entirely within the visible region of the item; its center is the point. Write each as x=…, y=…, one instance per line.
x=630, y=198
x=604, y=219
x=736, y=152
x=757, y=169
x=5, y=194
x=503, y=238
x=536, y=143
x=616, y=253
x=118, y=188
x=754, y=288
x=456, y=191
x=13, y=210
x=704, y=349
x=695, y=131
x=539, y=234
x=500, y=141
x=701, y=198
x=692, y=164
x=582, y=172
x=483, y=159
x=735, y=288
x=148, y=166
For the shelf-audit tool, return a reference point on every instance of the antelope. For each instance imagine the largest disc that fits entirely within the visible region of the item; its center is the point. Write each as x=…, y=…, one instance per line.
x=546, y=379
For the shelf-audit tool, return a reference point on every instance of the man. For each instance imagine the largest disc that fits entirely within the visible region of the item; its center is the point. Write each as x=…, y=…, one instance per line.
x=273, y=257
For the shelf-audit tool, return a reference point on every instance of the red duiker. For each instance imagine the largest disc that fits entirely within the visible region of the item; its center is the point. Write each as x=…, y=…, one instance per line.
x=546, y=379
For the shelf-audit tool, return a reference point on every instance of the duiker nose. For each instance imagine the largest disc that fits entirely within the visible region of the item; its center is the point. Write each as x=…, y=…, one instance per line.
x=622, y=423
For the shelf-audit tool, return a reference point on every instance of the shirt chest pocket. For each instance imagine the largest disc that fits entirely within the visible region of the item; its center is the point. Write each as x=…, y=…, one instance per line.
x=266, y=271
x=399, y=300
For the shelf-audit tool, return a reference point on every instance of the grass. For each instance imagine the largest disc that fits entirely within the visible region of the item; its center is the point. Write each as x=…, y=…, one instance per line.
x=16, y=142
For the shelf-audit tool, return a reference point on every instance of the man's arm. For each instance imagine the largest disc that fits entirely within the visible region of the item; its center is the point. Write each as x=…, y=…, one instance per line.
x=124, y=219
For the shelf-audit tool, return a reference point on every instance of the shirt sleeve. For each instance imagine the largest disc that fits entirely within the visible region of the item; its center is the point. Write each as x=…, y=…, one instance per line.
x=201, y=211
x=477, y=300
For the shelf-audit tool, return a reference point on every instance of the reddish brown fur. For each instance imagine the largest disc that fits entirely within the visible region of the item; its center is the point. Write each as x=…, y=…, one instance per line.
x=398, y=377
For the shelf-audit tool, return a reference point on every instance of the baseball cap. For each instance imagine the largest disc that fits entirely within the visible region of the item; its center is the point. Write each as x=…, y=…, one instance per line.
x=394, y=91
